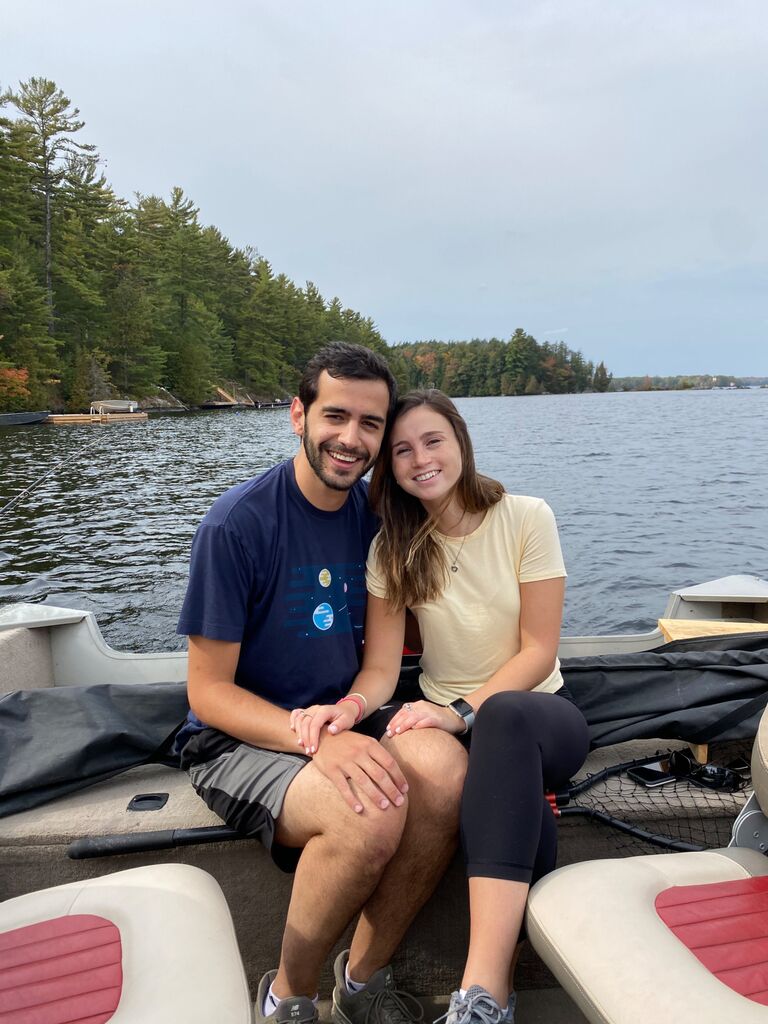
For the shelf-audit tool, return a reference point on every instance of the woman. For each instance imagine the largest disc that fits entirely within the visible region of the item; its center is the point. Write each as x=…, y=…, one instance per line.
x=483, y=574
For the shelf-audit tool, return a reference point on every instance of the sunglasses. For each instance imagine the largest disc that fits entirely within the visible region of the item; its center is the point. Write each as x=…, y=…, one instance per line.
x=733, y=777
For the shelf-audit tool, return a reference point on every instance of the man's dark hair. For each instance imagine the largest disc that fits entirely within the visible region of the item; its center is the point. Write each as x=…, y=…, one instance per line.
x=352, y=362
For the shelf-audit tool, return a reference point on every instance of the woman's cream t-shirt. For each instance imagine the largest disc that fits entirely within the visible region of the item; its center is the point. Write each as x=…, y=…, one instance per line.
x=474, y=627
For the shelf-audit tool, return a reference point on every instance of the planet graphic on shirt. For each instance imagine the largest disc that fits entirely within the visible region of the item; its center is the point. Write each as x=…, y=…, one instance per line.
x=322, y=616
x=324, y=578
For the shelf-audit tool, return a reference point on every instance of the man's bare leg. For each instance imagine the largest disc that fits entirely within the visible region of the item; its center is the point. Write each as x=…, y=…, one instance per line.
x=342, y=861
x=435, y=764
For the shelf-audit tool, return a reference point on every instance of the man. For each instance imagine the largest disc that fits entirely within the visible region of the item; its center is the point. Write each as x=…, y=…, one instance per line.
x=275, y=612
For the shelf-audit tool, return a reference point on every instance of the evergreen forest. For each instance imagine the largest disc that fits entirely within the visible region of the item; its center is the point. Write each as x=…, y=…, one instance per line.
x=101, y=296
x=520, y=366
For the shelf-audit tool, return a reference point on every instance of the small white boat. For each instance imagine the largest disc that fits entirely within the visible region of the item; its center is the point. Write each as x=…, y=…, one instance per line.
x=118, y=405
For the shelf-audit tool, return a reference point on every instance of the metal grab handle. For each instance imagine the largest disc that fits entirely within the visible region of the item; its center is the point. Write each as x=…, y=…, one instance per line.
x=144, y=842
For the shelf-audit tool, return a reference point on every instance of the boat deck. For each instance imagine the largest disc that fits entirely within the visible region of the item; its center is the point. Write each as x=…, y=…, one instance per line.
x=46, y=646
x=33, y=855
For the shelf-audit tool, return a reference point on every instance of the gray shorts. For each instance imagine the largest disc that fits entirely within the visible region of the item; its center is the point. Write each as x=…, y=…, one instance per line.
x=246, y=785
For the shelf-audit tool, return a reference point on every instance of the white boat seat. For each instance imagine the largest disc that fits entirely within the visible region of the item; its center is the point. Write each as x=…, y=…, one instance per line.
x=144, y=946
x=600, y=927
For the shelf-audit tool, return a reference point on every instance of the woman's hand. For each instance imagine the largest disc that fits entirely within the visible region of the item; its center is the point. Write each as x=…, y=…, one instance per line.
x=307, y=722
x=423, y=714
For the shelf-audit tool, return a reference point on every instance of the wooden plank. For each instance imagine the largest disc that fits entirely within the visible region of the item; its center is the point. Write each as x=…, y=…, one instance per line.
x=686, y=629
x=104, y=417
x=700, y=751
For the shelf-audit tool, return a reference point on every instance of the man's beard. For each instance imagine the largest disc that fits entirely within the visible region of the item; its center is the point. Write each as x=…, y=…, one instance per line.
x=315, y=459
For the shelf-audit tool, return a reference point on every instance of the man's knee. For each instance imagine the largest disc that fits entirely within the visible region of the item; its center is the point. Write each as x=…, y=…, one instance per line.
x=314, y=809
x=372, y=838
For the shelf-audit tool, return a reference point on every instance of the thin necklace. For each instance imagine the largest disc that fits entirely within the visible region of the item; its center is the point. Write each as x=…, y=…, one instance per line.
x=455, y=562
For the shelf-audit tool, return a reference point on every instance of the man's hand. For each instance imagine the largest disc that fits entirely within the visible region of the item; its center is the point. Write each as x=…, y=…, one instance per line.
x=360, y=768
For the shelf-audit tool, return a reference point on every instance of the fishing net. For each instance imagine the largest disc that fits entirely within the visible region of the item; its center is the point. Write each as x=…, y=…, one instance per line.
x=623, y=817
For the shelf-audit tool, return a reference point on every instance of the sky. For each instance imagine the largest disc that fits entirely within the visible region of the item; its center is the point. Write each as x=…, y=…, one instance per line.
x=593, y=171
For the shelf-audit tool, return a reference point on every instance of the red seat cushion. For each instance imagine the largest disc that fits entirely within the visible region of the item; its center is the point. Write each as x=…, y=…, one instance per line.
x=725, y=925
x=67, y=969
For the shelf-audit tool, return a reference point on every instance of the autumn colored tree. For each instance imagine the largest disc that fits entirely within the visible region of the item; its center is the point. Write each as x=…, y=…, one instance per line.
x=14, y=393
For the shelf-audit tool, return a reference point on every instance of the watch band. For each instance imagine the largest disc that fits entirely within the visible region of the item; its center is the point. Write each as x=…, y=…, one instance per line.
x=465, y=712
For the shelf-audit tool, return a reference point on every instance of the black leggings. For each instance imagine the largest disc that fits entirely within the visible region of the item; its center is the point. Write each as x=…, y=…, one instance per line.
x=522, y=744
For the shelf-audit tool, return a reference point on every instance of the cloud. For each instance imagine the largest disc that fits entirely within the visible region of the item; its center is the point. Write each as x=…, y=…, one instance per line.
x=453, y=170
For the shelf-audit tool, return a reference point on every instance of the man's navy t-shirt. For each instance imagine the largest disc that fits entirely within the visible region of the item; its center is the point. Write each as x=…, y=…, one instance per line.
x=286, y=581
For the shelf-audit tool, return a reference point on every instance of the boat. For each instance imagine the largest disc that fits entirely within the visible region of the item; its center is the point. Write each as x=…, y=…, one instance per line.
x=114, y=405
x=22, y=419
x=65, y=647
x=149, y=813
x=104, y=410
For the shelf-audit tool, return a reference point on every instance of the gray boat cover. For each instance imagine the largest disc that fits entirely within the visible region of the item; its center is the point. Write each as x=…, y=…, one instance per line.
x=55, y=741
x=700, y=690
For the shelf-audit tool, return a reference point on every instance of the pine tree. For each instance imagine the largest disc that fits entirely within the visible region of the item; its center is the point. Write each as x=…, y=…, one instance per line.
x=136, y=361
x=50, y=122
x=258, y=351
x=522, y=361
x=602, y=379
x=24, y=319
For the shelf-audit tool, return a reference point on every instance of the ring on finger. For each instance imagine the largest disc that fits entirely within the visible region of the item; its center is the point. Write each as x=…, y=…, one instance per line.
x=408, y=707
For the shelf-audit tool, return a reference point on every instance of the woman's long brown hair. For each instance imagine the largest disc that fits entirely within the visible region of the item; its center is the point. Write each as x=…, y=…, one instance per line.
x=412, y=559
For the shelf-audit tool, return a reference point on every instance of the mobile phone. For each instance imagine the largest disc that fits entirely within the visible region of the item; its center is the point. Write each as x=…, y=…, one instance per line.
x=653, y=774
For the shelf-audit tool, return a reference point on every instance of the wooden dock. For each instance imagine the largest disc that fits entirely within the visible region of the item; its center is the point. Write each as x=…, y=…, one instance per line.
x=104, y=417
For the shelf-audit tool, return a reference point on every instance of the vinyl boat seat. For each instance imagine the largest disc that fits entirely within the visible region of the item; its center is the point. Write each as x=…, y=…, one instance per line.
x=662, y=937
x=145, y=946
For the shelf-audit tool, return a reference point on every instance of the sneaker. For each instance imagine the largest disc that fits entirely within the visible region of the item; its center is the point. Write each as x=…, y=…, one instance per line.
x=291, y=1010
x=478, y=1007
x=509, y=1013
x=378, y=1003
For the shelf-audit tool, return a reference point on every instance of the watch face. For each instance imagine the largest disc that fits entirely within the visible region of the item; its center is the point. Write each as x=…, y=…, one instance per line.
x=465, y=712
x=462, y=707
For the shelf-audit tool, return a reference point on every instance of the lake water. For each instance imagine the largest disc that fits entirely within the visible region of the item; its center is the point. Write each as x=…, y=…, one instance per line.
x=652, y=491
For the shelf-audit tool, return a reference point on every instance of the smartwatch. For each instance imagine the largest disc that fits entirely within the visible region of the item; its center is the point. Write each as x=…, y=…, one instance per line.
x=464, y=710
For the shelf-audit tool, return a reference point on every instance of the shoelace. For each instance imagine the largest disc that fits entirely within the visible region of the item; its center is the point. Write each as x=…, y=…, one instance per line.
x=479, y=1005
x=392, y=1005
